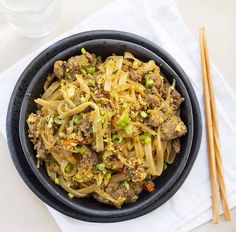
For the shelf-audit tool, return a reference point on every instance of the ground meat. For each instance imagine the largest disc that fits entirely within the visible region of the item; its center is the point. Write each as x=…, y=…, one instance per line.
x=54, y=167
x=173, y=128
x=153, y=122
x=77, y=61
x=74, y=185
x=176, y=145
x=135, y=75
x=126, y=65
x=59, y=69
x=157, y=82
x=127, y=172
x=41, y=150
x=32, y=128
x=165, y=90
x=132, y=194
x=137, y=174
x=152, y=100
x=154, y=90
x=85, y=128
x=117, y=190
x=112, y=162
x=93, y=60
x=88, y=160
x=156, y=118
x=177, y=99
x=68, y=69
x=32, y=121
x=90, y=56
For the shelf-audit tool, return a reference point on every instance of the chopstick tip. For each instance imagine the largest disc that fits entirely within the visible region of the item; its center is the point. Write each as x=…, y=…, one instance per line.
x=202, y=29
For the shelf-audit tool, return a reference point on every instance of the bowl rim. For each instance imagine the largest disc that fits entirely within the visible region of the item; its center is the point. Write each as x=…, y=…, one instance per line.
x=50, y=185
x=23, y=81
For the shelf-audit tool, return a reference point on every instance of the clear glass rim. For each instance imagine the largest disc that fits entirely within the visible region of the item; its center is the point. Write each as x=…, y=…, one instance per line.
x=4, y=7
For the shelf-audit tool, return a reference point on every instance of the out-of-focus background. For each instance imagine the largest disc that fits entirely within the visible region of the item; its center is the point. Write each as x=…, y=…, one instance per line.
x=21, y=210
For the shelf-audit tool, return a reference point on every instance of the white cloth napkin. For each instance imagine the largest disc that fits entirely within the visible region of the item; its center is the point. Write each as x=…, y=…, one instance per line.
x=159, y=21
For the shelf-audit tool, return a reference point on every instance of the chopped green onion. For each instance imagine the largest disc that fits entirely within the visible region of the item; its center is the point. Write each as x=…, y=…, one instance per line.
x=143, y=114
x=100, y=167
x=91, y=83
x=149, y=83
x=83, y=71
x=126, y=185
x=90, y=70
x=117, y=138
x=128, y=129
x=72, y=135
x=82, y=99
x=56, y=180
x=58, y=121
x=114, y=72
x=70, y=195
x=125, y=106
x=77, y=120
x=108, y=176
x=124, y=122
x=68, y=168
x=108, y=140
x=173, y=84
x=115, y=95
x=82, y=150
x=83, y=51
x=147, y=139
x=102, y=112
x=120, y=140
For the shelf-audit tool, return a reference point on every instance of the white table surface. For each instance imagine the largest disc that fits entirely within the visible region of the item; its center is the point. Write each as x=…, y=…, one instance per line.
x=21, y=210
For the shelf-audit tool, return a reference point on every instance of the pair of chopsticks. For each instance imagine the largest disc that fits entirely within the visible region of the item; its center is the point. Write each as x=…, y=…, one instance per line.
x=214, y=150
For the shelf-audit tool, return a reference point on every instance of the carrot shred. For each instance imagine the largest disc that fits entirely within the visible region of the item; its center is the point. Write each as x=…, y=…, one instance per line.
x=69, y=142
x=149, y=186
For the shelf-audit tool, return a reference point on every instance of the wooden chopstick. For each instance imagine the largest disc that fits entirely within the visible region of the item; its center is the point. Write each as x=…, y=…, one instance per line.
x=217, y=147
x=211, y=153
x=216, y=167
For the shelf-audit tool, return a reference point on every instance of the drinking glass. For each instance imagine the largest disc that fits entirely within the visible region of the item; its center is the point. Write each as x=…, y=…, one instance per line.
x=32, y=18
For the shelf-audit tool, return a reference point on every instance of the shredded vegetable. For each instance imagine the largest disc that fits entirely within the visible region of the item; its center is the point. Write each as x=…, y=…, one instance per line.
x=106, y=128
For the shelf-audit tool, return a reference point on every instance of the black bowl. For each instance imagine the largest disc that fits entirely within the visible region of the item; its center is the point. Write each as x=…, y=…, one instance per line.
x=12, y=122
x=104, y=48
